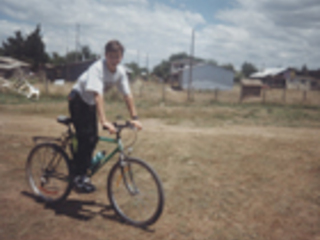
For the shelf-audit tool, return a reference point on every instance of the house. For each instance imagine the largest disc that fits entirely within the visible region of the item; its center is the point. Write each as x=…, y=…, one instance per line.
x=303, y=82
x=289, y=78
x=9, y=66
x=273, y=77
x=177, y=66
x=205, y=76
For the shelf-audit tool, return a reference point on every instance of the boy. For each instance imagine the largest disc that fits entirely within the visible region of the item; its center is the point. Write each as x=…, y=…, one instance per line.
x=86, y=102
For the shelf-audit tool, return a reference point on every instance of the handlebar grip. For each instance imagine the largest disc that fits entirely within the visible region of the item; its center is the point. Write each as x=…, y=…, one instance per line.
x=120, y=126
x=114, y=124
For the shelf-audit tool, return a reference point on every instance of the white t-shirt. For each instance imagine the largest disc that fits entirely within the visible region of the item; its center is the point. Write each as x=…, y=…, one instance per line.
x=99, y=79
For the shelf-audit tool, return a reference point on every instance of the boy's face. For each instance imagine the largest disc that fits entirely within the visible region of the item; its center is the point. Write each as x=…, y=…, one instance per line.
x=113, y=59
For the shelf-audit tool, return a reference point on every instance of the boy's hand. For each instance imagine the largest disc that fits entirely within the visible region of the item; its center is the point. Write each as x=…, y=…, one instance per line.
x=110, y=127
x=137, y=124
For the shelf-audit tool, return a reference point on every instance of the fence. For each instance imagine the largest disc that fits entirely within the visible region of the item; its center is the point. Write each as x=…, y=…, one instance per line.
x=159, y=92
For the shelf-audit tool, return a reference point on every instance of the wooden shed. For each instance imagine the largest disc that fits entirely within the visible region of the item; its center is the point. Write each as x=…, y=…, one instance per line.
x=9, y=66
x=250, y=88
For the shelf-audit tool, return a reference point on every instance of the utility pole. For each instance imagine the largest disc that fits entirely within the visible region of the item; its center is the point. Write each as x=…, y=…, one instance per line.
x=67, y=52
x=147, y=66
x=77, y=40
x=138, y=58
x=190, y=67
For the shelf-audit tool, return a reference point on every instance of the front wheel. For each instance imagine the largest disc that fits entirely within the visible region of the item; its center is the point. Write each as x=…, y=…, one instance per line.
x=48, y=172
x=135, y=192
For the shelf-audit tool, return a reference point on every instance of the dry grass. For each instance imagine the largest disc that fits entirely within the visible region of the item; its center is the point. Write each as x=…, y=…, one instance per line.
x=221, y=183
x=230, y=171
x=55, y=90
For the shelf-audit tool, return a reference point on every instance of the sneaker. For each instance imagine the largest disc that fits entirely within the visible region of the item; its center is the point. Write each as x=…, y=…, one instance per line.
x=83, y=184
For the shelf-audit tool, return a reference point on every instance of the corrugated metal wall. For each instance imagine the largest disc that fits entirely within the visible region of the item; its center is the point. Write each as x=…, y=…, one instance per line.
x=207, y=77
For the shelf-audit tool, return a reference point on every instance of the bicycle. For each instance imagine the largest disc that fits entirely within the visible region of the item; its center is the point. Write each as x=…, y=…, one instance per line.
x=133, y=187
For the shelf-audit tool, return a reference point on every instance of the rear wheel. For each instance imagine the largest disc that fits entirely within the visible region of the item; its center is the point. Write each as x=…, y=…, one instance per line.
x=135, y=192
x=48, y=172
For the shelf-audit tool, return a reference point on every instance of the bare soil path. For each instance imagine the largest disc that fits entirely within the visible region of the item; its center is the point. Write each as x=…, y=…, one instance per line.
x=229, y=182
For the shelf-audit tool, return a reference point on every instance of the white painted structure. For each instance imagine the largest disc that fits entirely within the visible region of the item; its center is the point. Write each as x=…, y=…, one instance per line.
x=303, y=83
x=206, y=76
x=268, y=72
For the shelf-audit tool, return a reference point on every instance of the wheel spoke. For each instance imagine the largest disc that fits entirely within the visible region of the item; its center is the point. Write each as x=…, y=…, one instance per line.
x=48, y=172
x=135, y=192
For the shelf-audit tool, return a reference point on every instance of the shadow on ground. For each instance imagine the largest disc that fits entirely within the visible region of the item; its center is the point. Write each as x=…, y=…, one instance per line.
x=80, y=209
x=77, y=209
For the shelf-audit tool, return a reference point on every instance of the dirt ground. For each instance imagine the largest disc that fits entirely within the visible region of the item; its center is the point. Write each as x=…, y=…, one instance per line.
x=232, y=182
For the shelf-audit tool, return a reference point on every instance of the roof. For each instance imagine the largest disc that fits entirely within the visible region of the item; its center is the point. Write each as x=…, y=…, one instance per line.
x=268, y=72
x=251, y=82
x=181, y=61
x=8, y=63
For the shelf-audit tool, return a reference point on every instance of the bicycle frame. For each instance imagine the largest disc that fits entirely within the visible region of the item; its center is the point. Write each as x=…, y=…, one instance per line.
x=103, y=161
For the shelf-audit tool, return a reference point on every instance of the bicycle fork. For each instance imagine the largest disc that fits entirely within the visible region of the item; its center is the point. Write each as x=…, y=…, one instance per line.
x=127, y=176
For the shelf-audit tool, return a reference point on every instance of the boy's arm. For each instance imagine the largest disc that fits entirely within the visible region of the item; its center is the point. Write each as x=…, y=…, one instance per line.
x=102, y=117
x=133, y=112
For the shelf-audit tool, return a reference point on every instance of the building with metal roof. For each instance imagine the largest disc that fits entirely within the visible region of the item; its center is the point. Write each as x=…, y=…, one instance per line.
x=206, y=76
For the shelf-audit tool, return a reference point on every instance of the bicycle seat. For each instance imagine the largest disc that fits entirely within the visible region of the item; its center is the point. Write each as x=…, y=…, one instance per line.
x=64, y=120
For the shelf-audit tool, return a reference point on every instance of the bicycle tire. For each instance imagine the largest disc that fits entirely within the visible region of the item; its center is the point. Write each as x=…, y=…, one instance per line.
x=132, y=178
x=41, y=187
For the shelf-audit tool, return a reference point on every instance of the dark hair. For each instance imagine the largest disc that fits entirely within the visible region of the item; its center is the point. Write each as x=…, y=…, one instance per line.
x=114, y=46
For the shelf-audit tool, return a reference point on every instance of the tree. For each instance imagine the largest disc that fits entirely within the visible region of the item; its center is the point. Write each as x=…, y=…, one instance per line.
x=212, y=61
x=35, y=49
x=135, y=68
x=30, y=49
x=248, y=68
x=162, y=70
x=56, y=59
x=87, y=54
x=178, y=56
x=73, y=56
x=238, y=76
x=14, y=46
x=305, y=70
x=228, y=66
x=84, y=54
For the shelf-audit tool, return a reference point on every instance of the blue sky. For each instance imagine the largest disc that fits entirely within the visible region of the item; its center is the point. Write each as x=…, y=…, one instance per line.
x=268, y=33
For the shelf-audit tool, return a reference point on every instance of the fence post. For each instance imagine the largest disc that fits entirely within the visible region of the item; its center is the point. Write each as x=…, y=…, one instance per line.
x=141, y=88
x=304, y=95
x=284, y=95
x=216, y=93
x=264, y=95
x=163, y=91
x=241, y=94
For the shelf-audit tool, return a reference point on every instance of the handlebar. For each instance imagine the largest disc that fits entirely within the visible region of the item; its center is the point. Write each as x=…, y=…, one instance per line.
x=128, y=141
x=120, y=127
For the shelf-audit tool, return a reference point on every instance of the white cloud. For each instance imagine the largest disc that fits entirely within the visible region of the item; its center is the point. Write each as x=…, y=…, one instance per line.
x=149, y=28
x=278, y=32
x=265, y=32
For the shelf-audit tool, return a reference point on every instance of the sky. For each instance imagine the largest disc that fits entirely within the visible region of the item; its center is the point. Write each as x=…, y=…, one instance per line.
x=267, y=33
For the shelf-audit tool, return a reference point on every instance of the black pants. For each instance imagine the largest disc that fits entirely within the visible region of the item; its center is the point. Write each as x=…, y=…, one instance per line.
x=85, y=122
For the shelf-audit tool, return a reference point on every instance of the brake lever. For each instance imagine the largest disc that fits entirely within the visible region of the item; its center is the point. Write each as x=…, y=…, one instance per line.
x=130, y=125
